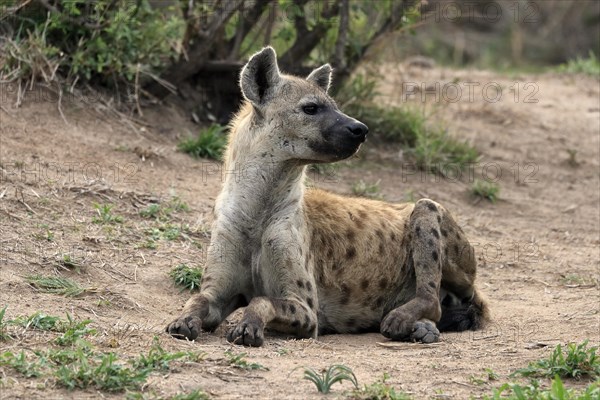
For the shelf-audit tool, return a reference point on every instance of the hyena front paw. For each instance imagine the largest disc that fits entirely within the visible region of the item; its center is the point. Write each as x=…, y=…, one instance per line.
x=425, y=331
x=247, y=333
x=185, y=327
x=398, y=325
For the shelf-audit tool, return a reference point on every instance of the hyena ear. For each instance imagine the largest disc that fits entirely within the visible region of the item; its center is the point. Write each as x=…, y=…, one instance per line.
x=260, y=75
x=321, y=76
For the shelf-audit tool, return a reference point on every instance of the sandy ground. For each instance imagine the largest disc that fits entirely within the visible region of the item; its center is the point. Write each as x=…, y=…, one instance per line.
x=538, y=246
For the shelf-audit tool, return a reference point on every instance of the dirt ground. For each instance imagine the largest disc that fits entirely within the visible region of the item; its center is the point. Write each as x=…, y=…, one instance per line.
x=538, y=246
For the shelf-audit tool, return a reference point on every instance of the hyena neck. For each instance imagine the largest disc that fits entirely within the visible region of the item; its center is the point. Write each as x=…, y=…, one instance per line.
x=258, y=188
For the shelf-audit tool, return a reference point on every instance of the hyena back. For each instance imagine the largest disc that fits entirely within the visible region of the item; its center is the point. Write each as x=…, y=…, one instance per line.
x=308, y=262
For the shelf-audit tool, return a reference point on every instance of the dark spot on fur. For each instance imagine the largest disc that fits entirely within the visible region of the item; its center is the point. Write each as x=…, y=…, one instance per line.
x=350, y=253
x=360, y=224
x=308, y=286
x=379, y=302
x=456, y=249
x=292, y=309
x=309, y=301
x=393, y=236
x=439, y=219
x=383, y=283
x=418, y=231
x=435, y=256
x=362, y=213
x=435, y=233
x=430, y=242
x=350, y=234
x=330, y=253
x=345, y=294
x=446, y=251
x=306, y=322
x=444, y=233
x=432, y=284
x=364, y=284
x=379, y=233
x=335, y=267
x=300, y=284
x=295, y=324
x=381, y=249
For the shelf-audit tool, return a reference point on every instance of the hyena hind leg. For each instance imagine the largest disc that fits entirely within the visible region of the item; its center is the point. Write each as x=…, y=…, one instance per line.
x=463, y=306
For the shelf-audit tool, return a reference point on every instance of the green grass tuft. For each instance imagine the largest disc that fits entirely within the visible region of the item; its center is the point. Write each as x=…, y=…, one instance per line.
x=329, y=376
x=210, y=143
x=533, y=391
x=39, y=321
x=186, y=277
x=74, y=331
x=580, y=65
x=239, y=361
x=105, y=215
x=437, y=152
x=485, y=189
x=379, y=390
x=576, y=362
x=3, y=334
x=163, y=211
x=369, y=190
x=56, y=285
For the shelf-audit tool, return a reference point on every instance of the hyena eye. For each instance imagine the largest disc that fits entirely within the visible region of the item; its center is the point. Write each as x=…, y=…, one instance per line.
x=310, y=109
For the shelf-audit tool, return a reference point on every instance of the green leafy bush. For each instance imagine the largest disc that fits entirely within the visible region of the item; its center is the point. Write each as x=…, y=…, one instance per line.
x=108, y=42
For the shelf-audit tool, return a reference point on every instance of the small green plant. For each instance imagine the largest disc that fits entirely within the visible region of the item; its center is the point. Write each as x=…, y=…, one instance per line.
x=578, y=361
x=378, y=390
x=437, y=152
x=152, y=211
x=57, y=285
x=369, y=190
x=239, y=361
x=164, y=210
x=487, y=377
x=105, y=215
x=39, y=321
x=74, y=331
x=195, y=395
x=578, y=280
x=20, y=363
x=485, y=189
x=580, y=65
x=210, y=143
x=69, y=262
x=186, y=277
x=102, y=371
x=3, y=334
x=533, y=391
x=335, y=373
x=157, y=358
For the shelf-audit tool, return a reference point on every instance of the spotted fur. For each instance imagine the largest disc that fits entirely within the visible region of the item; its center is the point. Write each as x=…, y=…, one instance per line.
x=308, y=262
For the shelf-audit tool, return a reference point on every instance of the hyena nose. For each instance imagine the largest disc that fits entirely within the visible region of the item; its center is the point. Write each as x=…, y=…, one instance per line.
x=358, y=130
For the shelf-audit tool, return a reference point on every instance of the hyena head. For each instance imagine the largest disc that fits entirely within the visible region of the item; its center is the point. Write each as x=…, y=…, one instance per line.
x=293, y=118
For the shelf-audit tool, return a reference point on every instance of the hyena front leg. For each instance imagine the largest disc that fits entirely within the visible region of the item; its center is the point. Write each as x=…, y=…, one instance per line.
x=226, y=277
x=416, y=319
x=289, y=304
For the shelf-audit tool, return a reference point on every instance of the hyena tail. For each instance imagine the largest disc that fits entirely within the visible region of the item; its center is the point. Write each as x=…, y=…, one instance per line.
x=471, y=313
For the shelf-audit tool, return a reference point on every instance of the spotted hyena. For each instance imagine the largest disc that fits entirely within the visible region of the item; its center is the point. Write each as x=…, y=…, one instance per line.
x=307, y=262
